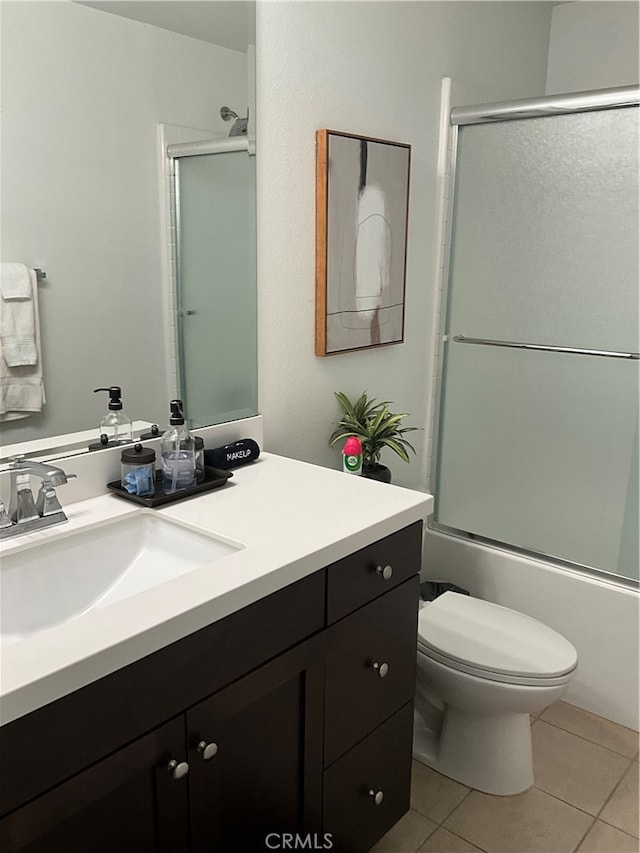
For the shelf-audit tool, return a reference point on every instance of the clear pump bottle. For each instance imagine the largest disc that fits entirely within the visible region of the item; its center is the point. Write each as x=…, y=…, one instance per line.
x=178, y=449
x=116, y=424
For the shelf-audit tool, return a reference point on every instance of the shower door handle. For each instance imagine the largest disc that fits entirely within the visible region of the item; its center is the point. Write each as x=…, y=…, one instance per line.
x=461, y=339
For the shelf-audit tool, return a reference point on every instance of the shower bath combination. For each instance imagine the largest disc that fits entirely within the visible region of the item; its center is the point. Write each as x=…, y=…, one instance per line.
x=540, y=347
x=239, y=127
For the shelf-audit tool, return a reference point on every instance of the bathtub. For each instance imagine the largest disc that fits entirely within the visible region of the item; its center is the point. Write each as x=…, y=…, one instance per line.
x=599, y=616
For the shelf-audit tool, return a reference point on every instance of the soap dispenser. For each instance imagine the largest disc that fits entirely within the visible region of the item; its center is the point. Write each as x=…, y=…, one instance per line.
x=178, y=449
x=116, y=424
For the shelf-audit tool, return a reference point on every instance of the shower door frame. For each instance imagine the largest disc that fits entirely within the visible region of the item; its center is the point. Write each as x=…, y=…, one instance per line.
x=175, y=152
x=547, y=106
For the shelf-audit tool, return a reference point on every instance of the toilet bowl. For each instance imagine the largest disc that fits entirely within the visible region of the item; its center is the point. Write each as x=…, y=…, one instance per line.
x=482, y=670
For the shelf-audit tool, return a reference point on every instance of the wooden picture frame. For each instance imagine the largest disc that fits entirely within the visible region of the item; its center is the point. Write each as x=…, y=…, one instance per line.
x=362, y=208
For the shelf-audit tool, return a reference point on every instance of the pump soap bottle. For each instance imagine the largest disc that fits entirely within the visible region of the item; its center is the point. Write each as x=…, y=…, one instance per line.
x=178, y=449
x=116, y=424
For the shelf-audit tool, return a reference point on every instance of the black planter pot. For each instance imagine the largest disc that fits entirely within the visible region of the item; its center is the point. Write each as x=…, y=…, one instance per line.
x=376, y=471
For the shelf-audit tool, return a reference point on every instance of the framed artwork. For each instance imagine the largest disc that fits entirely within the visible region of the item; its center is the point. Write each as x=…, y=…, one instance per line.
x=362, y=198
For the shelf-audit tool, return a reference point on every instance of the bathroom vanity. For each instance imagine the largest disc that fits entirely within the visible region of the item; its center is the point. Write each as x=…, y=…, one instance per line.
x=281, y=703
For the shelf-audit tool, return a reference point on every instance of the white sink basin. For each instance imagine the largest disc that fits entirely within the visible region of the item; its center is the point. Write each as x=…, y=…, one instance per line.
x=54, y=581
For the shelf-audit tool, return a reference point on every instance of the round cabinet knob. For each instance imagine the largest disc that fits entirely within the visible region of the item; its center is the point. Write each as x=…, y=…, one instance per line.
x=376, y=796
x=381, y=669
x=178, y=770
x=207, y=750
x=384, y=572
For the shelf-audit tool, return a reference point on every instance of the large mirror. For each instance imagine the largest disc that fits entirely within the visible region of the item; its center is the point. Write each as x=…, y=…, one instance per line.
x=92, y=96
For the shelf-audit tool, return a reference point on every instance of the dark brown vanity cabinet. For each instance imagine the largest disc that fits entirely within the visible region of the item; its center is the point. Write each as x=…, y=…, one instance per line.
x=370, y=659
x=245, y=762
x=128, y=802
x=292, y=715
x=255, y=755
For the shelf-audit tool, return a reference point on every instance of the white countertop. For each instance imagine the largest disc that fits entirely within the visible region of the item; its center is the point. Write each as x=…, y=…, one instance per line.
x=292, y=519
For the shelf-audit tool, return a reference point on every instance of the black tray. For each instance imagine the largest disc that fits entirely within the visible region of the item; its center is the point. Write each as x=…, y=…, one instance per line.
x=213, y=479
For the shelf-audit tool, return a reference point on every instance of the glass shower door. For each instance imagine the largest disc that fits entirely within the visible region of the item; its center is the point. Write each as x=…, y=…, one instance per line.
x=216, y=286
x=538, y=448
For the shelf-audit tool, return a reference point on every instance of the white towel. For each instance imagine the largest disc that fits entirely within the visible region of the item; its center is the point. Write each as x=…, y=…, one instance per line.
x=15, y=281
x=17, y=318
x=21, y=386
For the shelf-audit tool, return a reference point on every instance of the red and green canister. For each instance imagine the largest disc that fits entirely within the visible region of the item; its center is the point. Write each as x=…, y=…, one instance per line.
x=352, y=456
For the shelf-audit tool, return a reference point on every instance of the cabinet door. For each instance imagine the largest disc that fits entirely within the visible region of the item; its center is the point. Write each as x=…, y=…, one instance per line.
x=255, y=752
x=371, y=661
x=128, y=802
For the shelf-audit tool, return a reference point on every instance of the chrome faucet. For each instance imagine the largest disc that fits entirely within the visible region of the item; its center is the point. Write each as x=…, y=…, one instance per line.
x=26, y=515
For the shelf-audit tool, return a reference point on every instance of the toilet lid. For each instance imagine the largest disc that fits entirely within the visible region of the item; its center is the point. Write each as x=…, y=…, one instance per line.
x=492, y=638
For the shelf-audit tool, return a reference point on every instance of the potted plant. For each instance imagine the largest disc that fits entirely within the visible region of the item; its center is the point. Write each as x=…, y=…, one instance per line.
x=377, y=428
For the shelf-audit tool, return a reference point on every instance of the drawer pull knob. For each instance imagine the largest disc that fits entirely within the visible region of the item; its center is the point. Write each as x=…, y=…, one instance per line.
x=178, y=770
x=381, y=669
x=376, y=796
x=207, y=750
x=384, y=572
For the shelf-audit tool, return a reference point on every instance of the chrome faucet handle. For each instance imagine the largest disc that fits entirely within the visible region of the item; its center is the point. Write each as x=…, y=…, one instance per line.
x=22, y=507
x=5, y=521
x=18, y=459
x=47, y=502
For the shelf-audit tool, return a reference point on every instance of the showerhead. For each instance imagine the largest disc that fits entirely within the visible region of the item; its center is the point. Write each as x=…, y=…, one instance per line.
x=239, y=127
x=226, y=114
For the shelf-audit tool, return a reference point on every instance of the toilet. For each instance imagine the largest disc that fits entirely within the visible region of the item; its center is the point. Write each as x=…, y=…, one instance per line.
x=482, y=670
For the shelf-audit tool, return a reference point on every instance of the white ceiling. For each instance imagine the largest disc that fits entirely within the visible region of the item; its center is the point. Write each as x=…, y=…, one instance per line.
x=229, y=23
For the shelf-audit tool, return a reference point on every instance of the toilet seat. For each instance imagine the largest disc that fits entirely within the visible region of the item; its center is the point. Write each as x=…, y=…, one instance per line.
x=494, y=643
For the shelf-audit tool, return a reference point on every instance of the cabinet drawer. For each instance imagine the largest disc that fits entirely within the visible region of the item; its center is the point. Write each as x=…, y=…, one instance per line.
x=380, y=763
x=358, y=694
x=363, y=576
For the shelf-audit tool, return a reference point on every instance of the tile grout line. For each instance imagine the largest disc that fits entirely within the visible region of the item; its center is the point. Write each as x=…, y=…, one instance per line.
x=611, y=793
x=591, y=714
x=615, y=788
x=464, y=839
x=582, y=737
x=589, y=828
x=582, y=810
x=426, y=838
x=617, y=828
x=594, y=818
x=448, y=815
x=455, y=808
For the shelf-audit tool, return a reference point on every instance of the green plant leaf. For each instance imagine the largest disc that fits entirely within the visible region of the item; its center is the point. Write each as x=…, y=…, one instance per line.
x=345, y=403
x=374, y=424
x=398, y=448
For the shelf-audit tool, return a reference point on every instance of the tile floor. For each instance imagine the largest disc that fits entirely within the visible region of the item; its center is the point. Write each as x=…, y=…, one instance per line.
x=585, y=797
